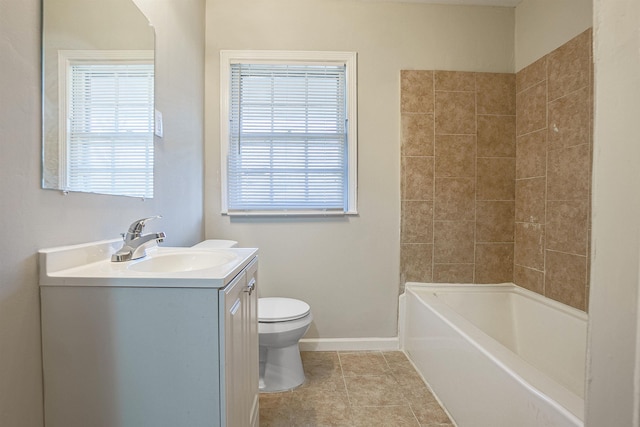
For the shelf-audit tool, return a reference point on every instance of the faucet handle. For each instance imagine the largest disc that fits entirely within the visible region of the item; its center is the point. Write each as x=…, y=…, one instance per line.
x=137, y=226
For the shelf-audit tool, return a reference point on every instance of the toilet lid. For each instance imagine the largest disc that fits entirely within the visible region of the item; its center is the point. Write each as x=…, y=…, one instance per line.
x=281, y=309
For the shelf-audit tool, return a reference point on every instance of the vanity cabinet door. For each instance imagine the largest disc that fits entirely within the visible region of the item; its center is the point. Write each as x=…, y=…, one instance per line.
x=251, y=342
x=234, y=354
x=239, y=309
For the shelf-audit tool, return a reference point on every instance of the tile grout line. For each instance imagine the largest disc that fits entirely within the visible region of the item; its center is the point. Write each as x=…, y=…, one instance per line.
x=344, y=381
x=518, y=136
x=475, y=184
x=408, y=403
x=515, y=186
x=433, y=184
x=546, y=177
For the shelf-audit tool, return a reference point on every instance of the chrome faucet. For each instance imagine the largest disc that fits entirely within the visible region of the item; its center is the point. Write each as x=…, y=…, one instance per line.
x=135, y=243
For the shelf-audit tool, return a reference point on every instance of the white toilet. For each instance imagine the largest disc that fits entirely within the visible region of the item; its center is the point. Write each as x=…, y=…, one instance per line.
x=282, y=322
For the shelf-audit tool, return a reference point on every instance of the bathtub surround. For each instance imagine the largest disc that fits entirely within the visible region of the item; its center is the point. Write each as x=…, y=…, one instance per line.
x=553, y=173
x=497, y=174
x=458, y=176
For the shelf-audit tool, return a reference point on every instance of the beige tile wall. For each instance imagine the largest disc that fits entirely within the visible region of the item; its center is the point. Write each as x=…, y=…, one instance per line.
x=458, y=176
x=496, y=175
x=553, y=173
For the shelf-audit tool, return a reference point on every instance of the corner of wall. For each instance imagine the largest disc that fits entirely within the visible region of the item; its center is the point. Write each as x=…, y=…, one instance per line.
x=544, y=25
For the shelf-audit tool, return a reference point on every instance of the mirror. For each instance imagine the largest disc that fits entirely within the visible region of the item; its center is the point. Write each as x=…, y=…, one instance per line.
x=97, y=94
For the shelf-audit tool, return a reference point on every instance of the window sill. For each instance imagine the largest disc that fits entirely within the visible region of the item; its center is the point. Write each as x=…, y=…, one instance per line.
x=290, y=213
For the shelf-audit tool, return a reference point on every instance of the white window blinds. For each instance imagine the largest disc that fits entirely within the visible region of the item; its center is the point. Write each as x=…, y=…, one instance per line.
x=288, y=138
x=110, y=128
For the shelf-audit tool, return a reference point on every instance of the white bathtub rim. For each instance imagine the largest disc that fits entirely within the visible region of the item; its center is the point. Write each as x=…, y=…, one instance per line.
x=510, y=287
x=558, y=396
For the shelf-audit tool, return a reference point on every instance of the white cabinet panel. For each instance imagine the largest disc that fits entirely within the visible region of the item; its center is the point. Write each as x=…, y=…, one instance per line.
x=239, y=306
x=130, y=357
x=253, y=368
x=151, y=357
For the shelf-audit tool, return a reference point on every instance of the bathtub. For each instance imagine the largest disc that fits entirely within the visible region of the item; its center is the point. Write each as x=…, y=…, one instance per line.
x=497, y=355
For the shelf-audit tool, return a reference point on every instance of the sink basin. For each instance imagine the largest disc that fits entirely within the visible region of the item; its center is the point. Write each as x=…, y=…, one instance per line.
x=177, y=262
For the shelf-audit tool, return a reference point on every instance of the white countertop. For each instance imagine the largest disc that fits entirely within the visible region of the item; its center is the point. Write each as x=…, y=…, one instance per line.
x=90, y=264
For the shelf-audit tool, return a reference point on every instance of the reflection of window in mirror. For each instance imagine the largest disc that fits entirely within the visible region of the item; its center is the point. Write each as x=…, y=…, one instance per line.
x=106, y=122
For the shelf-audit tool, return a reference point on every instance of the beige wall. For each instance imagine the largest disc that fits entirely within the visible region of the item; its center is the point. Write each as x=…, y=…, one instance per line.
x=458, y=176
x=347, y=269
x=613, y=371
x=544, y=25
x=32, y=218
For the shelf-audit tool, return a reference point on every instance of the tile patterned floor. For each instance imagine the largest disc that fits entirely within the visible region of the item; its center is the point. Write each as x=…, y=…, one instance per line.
x=355, y=389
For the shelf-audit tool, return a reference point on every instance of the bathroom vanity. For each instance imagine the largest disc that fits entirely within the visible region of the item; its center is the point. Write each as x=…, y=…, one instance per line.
x=167, y=340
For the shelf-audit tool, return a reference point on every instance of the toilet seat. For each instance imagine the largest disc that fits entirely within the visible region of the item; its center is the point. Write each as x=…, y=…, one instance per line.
x=275, y=309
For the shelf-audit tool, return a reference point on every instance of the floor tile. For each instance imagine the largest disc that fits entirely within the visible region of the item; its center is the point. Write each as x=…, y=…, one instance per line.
x=395, y=357
x=390, y=416
x=430, y=413
x=321, y=417
x=382, y=390
x=363, y=363
x=353, y=389
x=322, y=370
x=309, y=398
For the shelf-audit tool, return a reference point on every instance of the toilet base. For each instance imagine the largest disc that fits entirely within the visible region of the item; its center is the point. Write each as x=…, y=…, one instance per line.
x=280, y=368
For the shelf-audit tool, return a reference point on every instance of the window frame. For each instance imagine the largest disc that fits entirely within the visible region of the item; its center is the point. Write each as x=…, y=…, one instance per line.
x=69, y=58
x=349, y=60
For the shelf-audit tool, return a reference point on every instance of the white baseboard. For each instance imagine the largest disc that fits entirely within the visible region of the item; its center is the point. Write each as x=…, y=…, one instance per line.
x=349, y=344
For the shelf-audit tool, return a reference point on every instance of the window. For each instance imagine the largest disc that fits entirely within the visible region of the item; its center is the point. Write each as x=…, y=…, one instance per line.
x=107, y=122
x=288, y=133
